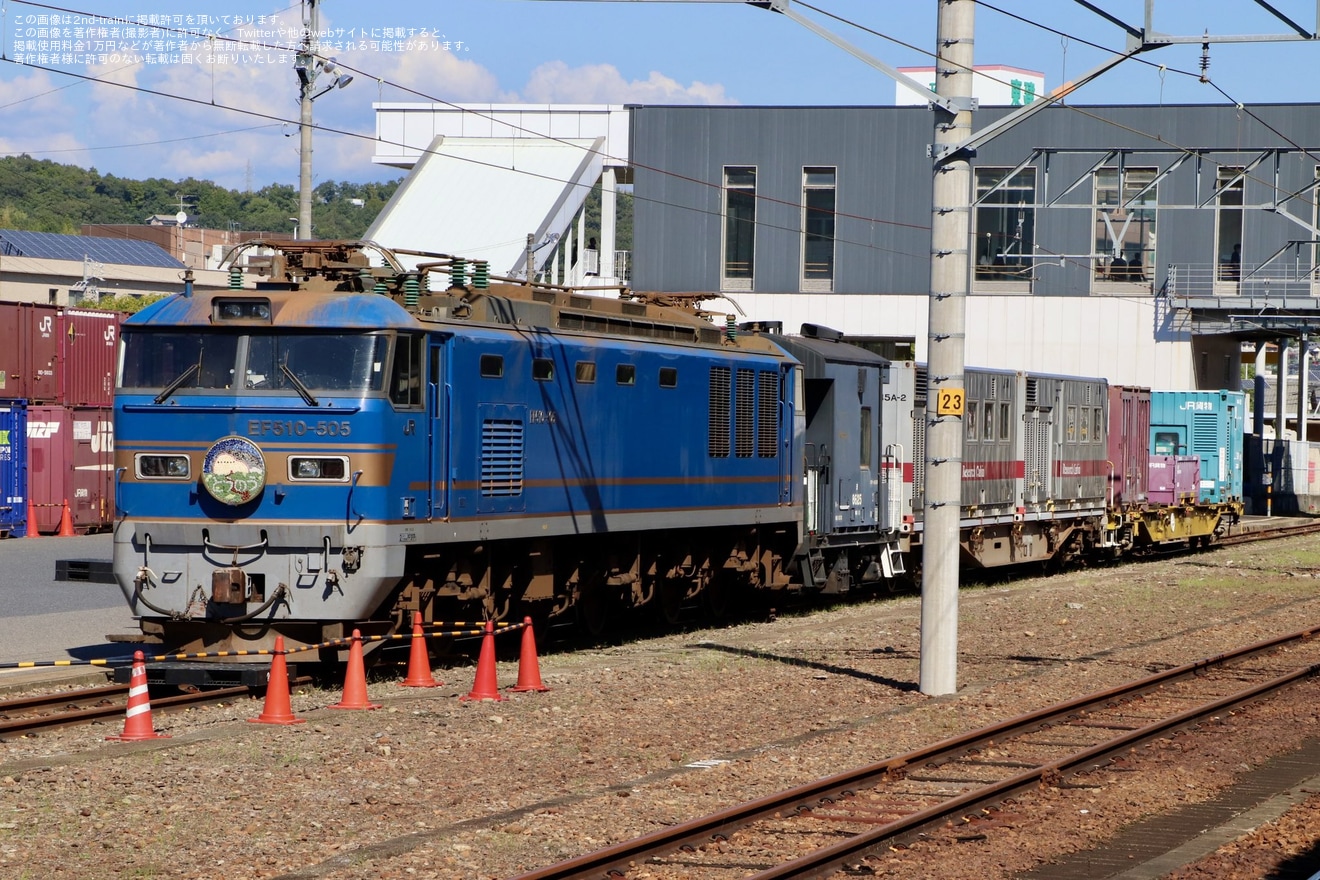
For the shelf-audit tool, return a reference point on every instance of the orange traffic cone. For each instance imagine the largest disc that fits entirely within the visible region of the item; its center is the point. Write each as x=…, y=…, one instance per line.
x=419, y=664
x=277, y=709
x=485, y=687
x=355, y=679
x=33, y=531
x=137, y=721
x=66, y=522
x=529, y=668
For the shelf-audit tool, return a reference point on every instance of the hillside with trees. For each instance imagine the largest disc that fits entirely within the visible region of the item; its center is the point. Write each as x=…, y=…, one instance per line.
x=44, y=196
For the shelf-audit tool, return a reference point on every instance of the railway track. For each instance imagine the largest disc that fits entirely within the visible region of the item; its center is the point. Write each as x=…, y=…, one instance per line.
x=28, y=715
x=1270, y=534
x=833, y=823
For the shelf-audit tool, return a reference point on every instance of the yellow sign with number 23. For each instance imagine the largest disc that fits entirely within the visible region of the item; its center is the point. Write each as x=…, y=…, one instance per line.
x=950, y=401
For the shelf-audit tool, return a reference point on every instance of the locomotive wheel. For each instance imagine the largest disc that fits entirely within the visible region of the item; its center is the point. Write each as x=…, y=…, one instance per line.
x=594, y=612
x=717, y=597
x=672, y=594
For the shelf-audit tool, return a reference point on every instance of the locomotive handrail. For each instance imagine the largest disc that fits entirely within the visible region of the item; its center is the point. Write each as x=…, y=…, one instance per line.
x=357, y=475
x=119, y=478
x=262, y=544
x=176, y=407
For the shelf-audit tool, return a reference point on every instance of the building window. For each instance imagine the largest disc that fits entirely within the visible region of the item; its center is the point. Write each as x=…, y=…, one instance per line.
x=739, y=227
x=1228, y=224
x=818, y=192
x=1005, y=224
x=1124, y=224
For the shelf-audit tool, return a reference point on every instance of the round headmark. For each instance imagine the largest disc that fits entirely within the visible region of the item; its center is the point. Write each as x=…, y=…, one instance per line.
x=234, y=471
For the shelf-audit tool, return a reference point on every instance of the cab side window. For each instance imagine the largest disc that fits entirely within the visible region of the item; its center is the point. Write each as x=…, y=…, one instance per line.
x=406, y=377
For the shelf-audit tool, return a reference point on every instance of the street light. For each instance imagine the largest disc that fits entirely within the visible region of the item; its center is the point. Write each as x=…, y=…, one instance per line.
x=307, y=66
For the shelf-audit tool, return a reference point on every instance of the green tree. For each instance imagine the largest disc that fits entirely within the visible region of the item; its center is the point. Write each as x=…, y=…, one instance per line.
x=44, y=196
x=127, y=303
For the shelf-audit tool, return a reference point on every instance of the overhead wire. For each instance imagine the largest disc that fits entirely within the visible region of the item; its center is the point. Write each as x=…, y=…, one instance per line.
x=424, y=151
x=760, y=198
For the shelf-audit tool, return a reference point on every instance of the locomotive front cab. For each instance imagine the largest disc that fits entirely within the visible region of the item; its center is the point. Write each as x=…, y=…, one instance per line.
x=260, y=438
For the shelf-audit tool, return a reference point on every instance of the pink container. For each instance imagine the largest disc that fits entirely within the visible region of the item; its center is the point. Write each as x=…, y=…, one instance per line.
x=71, y=458
x=30, y=352
x=89, y=342
x=1174, y=479
x=1129, y=439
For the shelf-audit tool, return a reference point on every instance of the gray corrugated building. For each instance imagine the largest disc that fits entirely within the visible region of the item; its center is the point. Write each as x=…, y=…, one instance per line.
x=1103, y=237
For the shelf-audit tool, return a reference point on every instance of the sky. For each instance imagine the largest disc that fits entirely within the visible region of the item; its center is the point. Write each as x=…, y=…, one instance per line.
x=146, y=88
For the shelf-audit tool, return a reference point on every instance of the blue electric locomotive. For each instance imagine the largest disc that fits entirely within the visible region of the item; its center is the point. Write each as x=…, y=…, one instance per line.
x=340, y=447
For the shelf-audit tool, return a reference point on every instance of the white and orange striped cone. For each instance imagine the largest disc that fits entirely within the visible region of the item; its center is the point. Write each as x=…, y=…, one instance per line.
x=137, y=721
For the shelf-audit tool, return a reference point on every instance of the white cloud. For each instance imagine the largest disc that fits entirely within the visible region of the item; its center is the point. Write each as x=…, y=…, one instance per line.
x=431, y=75
x=556, y=82
x=58, y=147
x=126, y=130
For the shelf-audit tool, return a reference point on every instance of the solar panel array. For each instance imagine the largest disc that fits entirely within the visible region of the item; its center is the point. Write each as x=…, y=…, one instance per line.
x=53, y=246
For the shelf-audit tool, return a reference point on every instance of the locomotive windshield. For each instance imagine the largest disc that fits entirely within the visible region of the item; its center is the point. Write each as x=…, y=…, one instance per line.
x=265, y=361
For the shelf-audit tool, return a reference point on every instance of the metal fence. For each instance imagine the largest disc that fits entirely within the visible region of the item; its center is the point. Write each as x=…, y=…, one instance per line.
x=1273, y=280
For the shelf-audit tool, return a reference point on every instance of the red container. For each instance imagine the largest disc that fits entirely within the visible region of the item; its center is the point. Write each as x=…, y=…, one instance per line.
x=71, y=458
x=1129, y=439
x=89, y=342
x=30, y=351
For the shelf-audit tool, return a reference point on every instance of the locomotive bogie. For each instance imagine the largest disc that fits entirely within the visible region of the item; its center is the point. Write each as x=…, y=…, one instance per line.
x=593, y=577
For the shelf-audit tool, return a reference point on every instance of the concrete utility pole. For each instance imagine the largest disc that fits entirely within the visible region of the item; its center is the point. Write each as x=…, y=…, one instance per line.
x=306, y=69
x=949, y=277
x=308, y=65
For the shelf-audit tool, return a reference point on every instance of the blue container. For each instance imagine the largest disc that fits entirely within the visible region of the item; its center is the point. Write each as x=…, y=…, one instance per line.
x=13, y=468
x=1209, y=425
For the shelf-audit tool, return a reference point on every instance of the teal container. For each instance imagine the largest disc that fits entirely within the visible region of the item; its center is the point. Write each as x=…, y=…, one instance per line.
x=1208, y=424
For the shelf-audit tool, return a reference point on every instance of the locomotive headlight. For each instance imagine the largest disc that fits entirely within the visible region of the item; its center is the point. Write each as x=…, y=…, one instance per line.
x=332, y=468
x=163, y=467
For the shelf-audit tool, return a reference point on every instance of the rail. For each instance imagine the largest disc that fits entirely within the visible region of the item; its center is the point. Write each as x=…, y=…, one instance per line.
x=885, y=803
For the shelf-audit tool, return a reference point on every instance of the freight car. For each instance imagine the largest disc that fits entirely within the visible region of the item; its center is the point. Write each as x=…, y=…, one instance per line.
x=339, y=446
x=57, y=374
